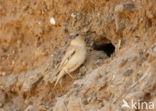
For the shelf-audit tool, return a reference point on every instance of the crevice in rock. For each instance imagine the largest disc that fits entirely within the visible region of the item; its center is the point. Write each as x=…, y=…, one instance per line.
x=108, y=48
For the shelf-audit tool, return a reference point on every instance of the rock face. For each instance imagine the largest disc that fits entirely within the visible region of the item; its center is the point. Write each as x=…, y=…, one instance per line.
x=121, y=62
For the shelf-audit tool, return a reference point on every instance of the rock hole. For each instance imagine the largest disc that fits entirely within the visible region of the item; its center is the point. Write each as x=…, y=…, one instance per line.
x=108, y=48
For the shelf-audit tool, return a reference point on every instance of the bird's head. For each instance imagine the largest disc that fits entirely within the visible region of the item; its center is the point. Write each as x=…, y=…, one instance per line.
x=77, y=39
x=73, y=36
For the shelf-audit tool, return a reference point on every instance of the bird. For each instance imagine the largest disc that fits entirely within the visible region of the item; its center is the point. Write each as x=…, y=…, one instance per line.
x=74, y=57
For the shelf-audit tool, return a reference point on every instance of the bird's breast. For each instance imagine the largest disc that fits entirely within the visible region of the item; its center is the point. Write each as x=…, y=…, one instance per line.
x=76, y=60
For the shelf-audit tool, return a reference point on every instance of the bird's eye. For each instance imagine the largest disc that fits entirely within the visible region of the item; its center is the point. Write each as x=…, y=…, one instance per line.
x=77, y=35
x=72, y=36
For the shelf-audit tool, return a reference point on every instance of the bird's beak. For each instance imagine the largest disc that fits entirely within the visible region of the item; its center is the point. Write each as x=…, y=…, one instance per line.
x=72, y=36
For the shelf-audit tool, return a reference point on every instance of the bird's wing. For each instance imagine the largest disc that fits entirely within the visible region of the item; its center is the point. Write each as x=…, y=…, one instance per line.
x=69, y=53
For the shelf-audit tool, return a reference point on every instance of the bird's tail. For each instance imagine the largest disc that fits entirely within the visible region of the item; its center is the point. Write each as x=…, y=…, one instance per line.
x=60, y=75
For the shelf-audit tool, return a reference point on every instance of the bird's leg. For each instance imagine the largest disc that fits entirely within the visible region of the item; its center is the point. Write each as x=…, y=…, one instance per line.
x=60, y=82
x=69, y=74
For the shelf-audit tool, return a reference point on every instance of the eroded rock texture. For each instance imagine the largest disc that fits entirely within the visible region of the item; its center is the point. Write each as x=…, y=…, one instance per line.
x=121, y=62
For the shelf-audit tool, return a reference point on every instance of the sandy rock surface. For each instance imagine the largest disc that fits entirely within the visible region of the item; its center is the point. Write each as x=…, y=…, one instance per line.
x=120, y=65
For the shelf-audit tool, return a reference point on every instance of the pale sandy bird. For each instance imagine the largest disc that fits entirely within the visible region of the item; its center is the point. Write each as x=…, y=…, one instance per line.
x=74, y=57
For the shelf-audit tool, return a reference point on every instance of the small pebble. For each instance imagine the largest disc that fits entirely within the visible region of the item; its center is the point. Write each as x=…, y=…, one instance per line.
x=26, y=7
x=73, y=15
x=86, y=29
x=52, y=21
x=3, y=73
x=125, y=7
x=13, y=62
x=89, y=99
